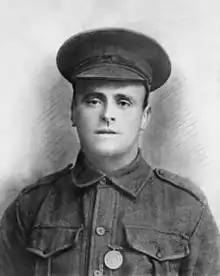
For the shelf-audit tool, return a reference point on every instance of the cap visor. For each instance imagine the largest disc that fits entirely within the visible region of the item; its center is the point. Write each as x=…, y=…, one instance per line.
x=109, y=71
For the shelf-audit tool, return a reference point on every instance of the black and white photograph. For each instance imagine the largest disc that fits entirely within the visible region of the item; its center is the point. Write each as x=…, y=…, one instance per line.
x=109, y=138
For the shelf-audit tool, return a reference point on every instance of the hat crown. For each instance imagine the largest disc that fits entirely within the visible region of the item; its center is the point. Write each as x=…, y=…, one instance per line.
x=138, y=52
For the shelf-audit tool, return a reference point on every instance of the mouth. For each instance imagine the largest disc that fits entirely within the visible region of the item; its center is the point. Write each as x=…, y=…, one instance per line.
x=105, y=131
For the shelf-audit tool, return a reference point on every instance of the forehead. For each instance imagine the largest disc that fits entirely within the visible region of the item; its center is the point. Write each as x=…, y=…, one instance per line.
x=133, y=88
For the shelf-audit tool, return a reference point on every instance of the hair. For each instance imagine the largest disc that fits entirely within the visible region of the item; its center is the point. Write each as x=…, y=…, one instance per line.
x=145, y=102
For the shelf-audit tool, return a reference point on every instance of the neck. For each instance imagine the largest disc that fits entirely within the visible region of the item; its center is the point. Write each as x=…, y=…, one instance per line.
x=108, y=164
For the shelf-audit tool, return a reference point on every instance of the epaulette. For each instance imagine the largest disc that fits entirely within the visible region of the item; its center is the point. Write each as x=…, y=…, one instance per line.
x=182, y=183
x=48, y=179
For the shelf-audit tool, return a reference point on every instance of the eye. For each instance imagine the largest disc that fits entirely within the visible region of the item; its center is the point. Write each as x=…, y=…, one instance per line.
x=92, y=101
x=124, y=103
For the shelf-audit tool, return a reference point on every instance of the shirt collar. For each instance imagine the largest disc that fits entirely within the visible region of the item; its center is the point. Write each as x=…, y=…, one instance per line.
x=131, y=179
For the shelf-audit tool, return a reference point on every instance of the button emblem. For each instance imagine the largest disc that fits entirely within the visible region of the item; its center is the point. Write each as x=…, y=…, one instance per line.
x=159, y=254
x=102, y=181
x=113, y=259
x=100, y=230
x=97, y=273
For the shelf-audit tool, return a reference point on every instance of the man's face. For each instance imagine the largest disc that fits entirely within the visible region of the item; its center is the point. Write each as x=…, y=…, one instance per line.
x=109, y=116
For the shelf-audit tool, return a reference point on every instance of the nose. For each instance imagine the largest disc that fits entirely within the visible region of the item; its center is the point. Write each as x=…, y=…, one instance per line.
x=108, y=114
x=108, y=120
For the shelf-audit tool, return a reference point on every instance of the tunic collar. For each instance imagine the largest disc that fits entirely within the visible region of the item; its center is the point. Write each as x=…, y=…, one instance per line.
x=131, y=179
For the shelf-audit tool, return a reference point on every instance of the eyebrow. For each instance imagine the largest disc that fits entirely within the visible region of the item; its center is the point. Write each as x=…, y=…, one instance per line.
x=102, y=95
x=125, y=97
x=93, y=94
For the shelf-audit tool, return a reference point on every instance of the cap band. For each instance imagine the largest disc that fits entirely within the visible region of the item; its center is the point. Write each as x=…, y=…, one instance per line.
x=98, y=61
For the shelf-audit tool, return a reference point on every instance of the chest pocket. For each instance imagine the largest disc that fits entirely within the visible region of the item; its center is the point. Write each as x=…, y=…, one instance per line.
x=53, y=248
x=154, y=251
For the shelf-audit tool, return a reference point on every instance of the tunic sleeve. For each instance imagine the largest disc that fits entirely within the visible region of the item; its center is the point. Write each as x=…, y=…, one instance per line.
x=204, y=257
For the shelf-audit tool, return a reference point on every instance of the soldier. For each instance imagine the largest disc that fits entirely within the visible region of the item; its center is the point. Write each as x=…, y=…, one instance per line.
x=110, y=214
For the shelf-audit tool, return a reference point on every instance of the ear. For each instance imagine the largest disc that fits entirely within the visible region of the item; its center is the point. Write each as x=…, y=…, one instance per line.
x=146, y=117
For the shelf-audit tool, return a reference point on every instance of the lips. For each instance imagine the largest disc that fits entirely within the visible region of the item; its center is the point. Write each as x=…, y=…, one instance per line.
x=105, y=131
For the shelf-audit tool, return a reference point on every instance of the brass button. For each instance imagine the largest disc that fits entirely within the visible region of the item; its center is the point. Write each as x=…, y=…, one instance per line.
x=159, y=254
x=102, y=181
x=100, y=230
x=161, y=171
x=113, y=259
x=97, y=273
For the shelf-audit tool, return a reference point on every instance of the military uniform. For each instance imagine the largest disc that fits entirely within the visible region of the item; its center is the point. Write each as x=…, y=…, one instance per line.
x=134, y=221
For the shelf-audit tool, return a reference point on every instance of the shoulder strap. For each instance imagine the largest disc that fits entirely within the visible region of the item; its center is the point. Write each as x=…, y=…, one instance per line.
x=48, y=179
x=182, y=183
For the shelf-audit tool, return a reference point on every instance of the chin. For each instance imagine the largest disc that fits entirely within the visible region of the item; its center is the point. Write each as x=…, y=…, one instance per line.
x=107, y=151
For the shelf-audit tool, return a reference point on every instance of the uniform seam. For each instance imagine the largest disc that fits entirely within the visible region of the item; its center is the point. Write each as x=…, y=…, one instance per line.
x=196, y=228
x=199, y=221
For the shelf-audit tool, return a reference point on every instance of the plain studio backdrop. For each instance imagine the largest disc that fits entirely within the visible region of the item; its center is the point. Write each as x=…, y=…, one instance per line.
x=36, y=137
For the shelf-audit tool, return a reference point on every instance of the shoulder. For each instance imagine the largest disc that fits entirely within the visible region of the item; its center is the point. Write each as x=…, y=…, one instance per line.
x=33, y=195
x=25, y=207
x=45, y=182
x=181, y=183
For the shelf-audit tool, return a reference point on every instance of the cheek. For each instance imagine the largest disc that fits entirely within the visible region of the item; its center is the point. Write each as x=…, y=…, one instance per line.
x=131, y=121
x=87, y=121
x=87, y=118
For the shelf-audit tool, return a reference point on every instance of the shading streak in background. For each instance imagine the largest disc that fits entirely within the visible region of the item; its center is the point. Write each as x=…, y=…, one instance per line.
x=171, y=126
